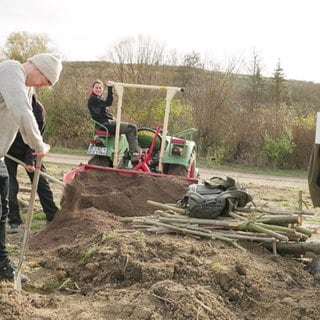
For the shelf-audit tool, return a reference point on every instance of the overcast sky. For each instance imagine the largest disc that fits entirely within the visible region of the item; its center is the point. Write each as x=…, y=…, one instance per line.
x=219, y=29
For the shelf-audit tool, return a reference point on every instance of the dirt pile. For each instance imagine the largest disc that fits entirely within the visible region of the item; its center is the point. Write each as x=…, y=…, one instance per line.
x=89, y=265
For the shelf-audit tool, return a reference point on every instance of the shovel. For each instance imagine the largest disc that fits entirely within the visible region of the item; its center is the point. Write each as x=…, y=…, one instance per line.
x=17, y=274
x=53, y=179
x=72, y=192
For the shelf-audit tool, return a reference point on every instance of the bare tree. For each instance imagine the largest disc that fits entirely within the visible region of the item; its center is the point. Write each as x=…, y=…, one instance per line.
x=132, y=58
x=256, y=83
x=210, y=95
x=191, y=62
x=253, y=92
x=138, y=60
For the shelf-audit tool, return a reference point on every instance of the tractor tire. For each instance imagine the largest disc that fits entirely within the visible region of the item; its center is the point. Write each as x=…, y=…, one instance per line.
x=101, y=161
x=177, y=170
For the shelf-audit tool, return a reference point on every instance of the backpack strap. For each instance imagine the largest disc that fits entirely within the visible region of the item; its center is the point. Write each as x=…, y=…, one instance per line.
x=220, y=183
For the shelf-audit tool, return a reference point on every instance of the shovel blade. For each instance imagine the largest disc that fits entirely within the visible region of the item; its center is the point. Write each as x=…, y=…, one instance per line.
x=17, y=281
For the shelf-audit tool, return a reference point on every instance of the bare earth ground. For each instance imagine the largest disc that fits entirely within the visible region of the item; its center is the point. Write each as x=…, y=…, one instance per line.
x=87, y=264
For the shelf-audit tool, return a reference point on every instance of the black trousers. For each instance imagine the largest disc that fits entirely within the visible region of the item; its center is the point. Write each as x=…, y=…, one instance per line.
x=4, y=189
x=129, y=129
x=44, y=192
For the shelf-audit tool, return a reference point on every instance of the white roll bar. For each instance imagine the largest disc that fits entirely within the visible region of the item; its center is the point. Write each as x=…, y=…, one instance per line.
x=171, y=91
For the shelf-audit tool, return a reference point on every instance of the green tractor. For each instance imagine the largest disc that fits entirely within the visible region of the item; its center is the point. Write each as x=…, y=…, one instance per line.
x=160, y=153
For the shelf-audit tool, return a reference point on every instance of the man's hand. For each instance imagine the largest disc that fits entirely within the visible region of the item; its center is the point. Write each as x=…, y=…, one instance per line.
x=46, y=149
x=29, y=168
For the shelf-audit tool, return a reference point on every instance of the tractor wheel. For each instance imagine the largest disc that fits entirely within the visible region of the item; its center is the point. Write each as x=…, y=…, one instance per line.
x=177, y=170
x=101, y=161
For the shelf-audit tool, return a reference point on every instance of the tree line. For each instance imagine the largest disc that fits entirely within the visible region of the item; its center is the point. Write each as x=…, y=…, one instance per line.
x=242, y=118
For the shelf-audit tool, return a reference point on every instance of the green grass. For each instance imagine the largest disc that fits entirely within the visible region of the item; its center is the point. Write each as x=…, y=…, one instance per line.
x=57, y=169
x=55, y=149
x=204, y=163
x=201, y=162
x=39, y=217
x=51, y=284
x=38, y=220
x=88, y=253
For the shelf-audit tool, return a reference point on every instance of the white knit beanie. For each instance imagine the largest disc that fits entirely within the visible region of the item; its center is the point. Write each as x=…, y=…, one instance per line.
x=50, y=65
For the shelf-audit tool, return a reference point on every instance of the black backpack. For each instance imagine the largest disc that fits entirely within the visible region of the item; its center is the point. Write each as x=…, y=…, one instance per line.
x=215, y=197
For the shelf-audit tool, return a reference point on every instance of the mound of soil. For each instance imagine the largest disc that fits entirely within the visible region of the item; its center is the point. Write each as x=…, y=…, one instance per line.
x=87, y=264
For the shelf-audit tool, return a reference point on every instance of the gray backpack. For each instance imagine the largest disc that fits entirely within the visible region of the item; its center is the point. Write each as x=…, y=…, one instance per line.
x=215, y=197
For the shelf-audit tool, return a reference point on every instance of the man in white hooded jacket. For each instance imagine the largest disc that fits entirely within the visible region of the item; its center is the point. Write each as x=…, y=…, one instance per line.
x=16, y=83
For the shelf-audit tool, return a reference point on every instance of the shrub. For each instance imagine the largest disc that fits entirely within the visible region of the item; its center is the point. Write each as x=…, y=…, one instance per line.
x=277, y=149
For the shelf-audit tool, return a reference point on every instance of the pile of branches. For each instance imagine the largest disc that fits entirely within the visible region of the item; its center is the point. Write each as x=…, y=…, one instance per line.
x=278, y=231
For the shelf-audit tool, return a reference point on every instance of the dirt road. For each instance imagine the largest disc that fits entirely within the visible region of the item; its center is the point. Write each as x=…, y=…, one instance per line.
x=205, y=173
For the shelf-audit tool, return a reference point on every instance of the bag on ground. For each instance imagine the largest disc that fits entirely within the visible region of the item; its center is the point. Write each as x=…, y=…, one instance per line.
x=214, y=197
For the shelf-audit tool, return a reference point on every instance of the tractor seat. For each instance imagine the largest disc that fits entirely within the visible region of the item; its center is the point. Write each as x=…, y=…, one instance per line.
x=100, y=130
x=103, y=133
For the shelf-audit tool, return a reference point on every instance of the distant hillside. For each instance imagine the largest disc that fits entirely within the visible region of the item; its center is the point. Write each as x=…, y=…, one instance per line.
x=241, y=118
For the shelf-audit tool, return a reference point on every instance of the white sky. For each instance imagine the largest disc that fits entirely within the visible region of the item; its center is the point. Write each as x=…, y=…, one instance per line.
x=288, y=30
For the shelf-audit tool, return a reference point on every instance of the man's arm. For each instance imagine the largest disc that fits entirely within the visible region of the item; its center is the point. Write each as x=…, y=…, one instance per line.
x=13, y=91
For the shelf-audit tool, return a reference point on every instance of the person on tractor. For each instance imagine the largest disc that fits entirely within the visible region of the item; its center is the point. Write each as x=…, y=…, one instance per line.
x=98, y=106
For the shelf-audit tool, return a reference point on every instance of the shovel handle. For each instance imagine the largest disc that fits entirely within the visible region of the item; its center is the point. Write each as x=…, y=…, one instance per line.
x=35, y=181
x=53, y=179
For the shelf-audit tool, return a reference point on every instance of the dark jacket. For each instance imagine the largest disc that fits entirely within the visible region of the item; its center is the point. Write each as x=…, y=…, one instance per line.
x=98, y=107
x=314, y=175
x=19, y=148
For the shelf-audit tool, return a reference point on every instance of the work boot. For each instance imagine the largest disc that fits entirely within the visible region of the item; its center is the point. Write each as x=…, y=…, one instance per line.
x=7, y=270
x=14, y=228
x=134, y=151
x=134, y=157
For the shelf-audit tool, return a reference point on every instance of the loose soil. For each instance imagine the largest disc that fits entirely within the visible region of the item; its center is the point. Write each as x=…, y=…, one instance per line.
x=87, y=264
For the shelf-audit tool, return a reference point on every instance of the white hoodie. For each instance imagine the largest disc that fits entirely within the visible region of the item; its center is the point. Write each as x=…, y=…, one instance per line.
x=15, y=109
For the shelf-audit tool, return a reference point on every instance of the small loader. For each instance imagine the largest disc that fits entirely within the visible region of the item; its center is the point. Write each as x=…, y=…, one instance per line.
x=160, y=153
